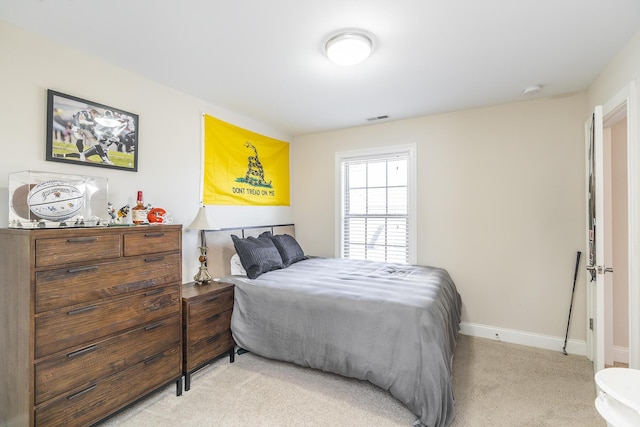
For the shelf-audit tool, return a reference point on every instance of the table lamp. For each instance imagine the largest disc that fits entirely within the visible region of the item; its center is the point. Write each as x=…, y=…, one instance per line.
x=202, y=223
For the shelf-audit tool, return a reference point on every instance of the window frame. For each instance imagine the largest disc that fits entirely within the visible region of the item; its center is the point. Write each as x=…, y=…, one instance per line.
x=372, y=153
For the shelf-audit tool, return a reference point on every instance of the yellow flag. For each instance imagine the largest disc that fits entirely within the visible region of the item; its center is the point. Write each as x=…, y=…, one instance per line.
x=242, y=167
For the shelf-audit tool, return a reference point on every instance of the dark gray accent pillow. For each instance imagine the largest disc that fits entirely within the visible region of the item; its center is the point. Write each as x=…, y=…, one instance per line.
x=257, y=255
x=288, y=246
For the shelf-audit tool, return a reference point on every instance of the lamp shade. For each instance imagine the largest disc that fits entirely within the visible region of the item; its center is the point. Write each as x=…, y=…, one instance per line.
x=348, y=48
x=202, y=221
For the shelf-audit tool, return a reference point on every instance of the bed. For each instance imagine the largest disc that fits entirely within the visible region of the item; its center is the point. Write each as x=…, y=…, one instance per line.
x=390, y=324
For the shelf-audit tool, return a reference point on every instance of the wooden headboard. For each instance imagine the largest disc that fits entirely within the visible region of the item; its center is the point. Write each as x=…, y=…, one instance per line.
x=220, y=246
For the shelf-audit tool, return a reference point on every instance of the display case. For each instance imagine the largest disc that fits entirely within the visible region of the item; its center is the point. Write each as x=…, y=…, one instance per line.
x=52, y=200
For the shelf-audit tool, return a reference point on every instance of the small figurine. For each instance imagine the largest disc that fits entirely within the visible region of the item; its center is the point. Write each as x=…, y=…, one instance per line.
x=123, y=212
x=156, y=216
x=111, y=210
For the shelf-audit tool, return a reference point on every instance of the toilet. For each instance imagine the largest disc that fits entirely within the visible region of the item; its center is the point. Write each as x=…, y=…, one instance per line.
x=618, y=400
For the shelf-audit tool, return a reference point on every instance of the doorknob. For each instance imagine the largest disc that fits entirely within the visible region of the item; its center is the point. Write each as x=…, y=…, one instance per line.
x=599, y=269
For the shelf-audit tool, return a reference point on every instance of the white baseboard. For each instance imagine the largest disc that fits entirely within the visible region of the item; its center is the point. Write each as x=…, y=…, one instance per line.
x=621, y=354
x=524, y=338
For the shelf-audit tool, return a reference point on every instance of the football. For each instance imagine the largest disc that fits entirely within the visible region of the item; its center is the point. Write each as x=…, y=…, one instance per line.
x=55, y=200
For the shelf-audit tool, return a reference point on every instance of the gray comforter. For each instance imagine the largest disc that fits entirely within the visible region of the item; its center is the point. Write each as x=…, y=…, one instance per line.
x=393, y=325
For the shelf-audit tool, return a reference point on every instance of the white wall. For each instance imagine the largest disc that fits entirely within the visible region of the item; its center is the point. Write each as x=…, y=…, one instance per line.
x=169, y=134
x=500, y=205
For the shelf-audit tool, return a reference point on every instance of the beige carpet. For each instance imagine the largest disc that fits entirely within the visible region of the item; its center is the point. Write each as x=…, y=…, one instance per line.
x=501, y=384
x=496, y=384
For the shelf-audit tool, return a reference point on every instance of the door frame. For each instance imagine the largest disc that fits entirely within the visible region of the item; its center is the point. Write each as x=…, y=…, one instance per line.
x=624, y=103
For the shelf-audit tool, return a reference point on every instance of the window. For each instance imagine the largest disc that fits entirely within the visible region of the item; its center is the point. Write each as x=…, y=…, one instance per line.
x=377, y=206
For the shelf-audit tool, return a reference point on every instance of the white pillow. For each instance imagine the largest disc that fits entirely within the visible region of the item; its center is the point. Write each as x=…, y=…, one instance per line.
x=236, y=266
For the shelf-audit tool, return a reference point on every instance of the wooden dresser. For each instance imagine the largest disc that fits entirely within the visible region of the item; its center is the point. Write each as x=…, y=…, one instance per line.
x=90, y=321
x=206, y=311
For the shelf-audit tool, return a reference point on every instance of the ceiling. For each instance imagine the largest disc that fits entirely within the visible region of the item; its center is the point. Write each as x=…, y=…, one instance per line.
x=264, y=58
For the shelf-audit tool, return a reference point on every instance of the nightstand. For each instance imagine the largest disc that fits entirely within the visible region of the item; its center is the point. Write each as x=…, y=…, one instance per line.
x=206, y=325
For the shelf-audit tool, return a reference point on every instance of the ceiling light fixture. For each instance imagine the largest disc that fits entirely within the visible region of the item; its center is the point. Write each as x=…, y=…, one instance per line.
x=348, y=48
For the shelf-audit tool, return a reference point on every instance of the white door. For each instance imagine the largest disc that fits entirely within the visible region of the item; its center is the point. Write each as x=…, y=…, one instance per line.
x=624, y=104
x=596, y=268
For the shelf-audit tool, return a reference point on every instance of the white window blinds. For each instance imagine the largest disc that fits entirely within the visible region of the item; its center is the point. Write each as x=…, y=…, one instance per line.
x=375, y=208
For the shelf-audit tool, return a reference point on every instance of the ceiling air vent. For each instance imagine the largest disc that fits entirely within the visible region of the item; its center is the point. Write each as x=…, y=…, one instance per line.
x=373, y=119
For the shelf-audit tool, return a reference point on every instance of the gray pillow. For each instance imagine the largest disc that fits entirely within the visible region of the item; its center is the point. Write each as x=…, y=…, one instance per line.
x=288, y=246
x=257, y=255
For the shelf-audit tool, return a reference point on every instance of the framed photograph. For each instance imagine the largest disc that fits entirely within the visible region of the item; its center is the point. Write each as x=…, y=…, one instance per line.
x=85, y=132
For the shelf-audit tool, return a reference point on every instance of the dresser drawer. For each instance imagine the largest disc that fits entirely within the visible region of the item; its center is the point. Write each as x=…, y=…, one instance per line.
x=68, y=250
x=72, y=327
x=208, y=348
x=76, y=285
x=151, y=241
x=207, y=305
x=84, y=365
x=87, y=405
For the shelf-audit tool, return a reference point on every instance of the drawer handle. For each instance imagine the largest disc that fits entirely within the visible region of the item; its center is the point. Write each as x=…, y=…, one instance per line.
x=81, y=392
x=153, y=292
x=83, y=351
x=213, y=318
x=82, y=310
x=213, y=338
x=153, y=326
x=211, y=299
x=153, y=259
x=82, y=239
x=81, y=269
x=153, y=234
x=153, y=359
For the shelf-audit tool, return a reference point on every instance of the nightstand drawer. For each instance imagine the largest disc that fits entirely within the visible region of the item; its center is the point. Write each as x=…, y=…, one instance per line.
x=76, y=285
x=67, y=371
x=85, y=405
x=79, y=324
x=76, y=249
x=151, y=241
x=204, y=306
x=208, y=326
x=208, y=348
